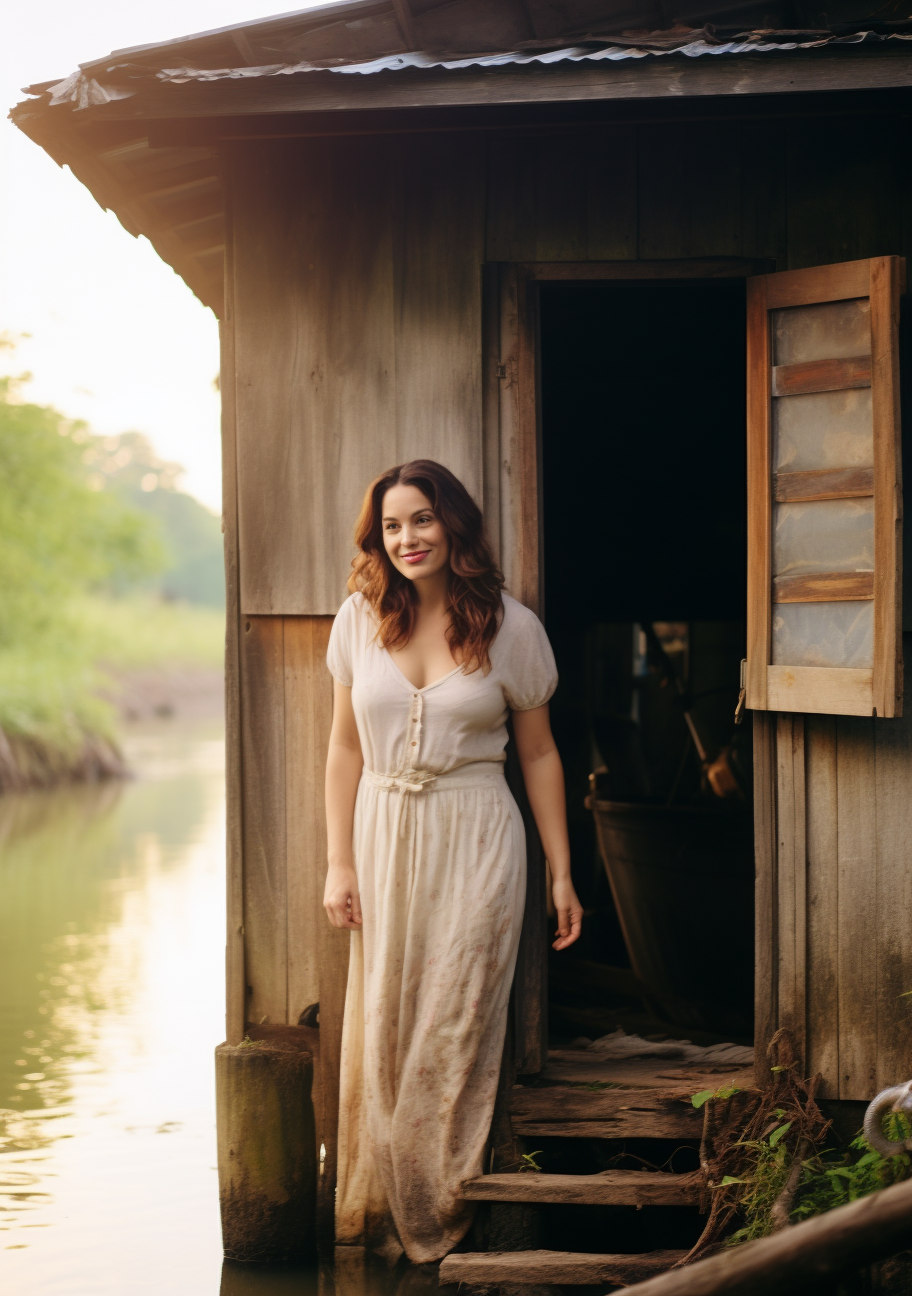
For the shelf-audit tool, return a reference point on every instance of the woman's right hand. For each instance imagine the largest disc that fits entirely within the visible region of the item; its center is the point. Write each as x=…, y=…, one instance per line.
x=341, y=898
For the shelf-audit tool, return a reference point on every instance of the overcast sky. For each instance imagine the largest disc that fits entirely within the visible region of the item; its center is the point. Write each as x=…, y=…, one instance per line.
x=116, y=337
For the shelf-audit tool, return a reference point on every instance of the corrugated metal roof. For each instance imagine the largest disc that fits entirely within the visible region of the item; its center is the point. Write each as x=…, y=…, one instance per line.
x=121, y=80
x=750, y=42
x=171, y=191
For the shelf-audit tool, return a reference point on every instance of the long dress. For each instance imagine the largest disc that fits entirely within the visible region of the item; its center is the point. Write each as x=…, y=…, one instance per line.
x=439, y=850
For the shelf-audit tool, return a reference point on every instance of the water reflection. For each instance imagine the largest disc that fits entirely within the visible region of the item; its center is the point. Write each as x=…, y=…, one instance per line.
x=351, y=1273
x=111, y=986
x=111, y=1003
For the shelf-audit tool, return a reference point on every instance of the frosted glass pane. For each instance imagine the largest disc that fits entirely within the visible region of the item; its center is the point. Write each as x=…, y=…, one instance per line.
x=823, y=430
x=823, y=634
x=824, y=535
x=831, y=331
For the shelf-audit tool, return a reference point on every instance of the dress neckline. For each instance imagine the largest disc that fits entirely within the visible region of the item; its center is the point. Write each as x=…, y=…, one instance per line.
x=408, y=683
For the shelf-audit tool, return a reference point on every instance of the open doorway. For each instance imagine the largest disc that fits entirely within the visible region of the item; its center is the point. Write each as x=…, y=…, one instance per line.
x=643, y=472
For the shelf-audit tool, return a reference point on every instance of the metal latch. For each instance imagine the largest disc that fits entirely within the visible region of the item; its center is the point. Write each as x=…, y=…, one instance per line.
x=742, y=696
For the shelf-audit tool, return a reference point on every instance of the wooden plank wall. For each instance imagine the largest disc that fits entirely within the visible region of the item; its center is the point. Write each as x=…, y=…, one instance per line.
x=357, y=281
x=834, y=895
x=292, y=956
x=354, y=322
x=286, y=707
x=803, y=192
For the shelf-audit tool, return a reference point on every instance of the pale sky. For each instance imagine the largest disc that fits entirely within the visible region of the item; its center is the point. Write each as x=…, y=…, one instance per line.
x=116, y=337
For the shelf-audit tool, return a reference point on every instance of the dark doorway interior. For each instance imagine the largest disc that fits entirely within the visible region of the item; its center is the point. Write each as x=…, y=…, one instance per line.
x=645, y=587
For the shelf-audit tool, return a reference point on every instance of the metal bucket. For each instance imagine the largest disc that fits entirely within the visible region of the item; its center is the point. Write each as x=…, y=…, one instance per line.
x=683, y=884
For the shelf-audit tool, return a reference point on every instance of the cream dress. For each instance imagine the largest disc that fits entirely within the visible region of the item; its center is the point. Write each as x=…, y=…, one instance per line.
x=440, y=854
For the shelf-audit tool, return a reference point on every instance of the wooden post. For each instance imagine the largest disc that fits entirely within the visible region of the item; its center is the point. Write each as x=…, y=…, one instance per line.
x=266, y=1148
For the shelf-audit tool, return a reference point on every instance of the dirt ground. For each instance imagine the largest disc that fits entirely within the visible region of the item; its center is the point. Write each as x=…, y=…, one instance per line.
x=184, y=692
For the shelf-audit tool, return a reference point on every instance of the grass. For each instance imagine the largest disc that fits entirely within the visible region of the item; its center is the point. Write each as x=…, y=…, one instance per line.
x=49, y=685
x=132, y=633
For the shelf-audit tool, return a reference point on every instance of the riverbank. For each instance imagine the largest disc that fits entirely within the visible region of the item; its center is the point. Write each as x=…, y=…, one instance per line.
x=64, y=704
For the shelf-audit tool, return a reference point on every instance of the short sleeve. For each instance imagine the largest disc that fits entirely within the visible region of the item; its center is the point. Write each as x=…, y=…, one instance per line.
x=339, y=650
x=527, y=668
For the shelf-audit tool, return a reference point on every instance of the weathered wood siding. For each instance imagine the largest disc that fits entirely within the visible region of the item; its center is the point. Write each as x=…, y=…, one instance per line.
x=358, y=334
x=803, y=192
x=357, y=287
x=834, y=895
x=357, y=290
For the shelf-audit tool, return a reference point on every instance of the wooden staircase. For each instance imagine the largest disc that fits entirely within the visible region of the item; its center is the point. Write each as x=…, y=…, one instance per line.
x=579, y=1104
x=608, y=1188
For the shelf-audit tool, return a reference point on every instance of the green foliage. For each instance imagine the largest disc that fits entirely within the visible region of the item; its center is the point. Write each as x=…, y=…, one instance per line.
x=131, y=633
x=49, y=693
x=58, y=536
x=828, y=1179
x=193, y=569
x=529, y=1162
x=706, y=1095
x=68, y=542
x=834, y=1180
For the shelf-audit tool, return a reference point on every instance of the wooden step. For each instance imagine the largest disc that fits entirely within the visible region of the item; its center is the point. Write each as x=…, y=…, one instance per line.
x=568, y=1112
x=611, y=1188
x=577, y=1268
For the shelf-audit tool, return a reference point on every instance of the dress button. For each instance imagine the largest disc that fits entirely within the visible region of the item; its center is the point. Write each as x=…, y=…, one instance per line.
x=414, y=744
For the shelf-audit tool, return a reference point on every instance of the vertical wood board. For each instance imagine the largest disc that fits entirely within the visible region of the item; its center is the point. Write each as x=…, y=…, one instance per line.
x=888, y=674
x=438, y=249
x=235, y=978
x=766, y=902
x=893, y=753
x=791, y=850
x=308, y=717
x=562, y=195
x=764, y=208
x=822, y=903
x=689, y=201
x=759, y=577
x=844, y=199
x=358, y=342
x=857, y=906
x=316, y=363
x=265, y=878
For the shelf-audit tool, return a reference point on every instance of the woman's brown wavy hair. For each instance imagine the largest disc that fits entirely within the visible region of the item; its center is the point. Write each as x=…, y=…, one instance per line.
x=475, y=580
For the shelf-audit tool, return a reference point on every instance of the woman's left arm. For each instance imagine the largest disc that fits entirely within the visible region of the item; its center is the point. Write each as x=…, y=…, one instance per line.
x=543, y=775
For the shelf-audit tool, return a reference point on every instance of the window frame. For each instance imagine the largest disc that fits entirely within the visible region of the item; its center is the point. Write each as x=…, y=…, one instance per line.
x=824, y=689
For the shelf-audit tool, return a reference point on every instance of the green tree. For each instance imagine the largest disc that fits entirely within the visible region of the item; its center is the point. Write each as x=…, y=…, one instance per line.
x=193, y=570
x=58, y=535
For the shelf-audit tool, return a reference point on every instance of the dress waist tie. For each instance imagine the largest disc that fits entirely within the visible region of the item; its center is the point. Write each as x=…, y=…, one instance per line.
x=415, y=782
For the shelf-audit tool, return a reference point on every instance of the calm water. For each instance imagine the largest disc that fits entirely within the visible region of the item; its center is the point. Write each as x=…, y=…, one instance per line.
x=111, y=1002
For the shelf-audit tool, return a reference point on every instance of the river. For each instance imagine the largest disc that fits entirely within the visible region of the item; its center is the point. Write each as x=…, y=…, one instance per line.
x=111, y=1003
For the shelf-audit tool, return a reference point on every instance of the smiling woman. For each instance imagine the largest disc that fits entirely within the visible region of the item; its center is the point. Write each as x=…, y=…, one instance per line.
x=427, y=851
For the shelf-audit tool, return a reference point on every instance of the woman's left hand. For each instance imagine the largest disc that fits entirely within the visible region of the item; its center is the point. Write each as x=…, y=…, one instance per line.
x=569, y=914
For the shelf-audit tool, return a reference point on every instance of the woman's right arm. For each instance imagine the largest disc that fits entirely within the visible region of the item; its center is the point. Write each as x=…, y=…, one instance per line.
x=344, y=763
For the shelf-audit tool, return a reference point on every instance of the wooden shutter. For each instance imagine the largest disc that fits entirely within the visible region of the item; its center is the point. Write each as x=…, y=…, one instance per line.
x=824, y=489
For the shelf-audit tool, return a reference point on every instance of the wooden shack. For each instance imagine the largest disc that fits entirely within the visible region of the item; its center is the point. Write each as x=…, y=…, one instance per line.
x=633, y=271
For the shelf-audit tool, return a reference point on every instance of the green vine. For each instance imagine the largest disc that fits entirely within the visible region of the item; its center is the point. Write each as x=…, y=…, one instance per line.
x=768, y=1158
x=829, y=1178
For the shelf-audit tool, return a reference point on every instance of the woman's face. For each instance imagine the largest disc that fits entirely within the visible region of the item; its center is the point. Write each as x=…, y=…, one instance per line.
x=413, y=536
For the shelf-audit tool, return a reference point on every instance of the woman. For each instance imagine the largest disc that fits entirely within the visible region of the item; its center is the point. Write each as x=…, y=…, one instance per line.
x=427, y=861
